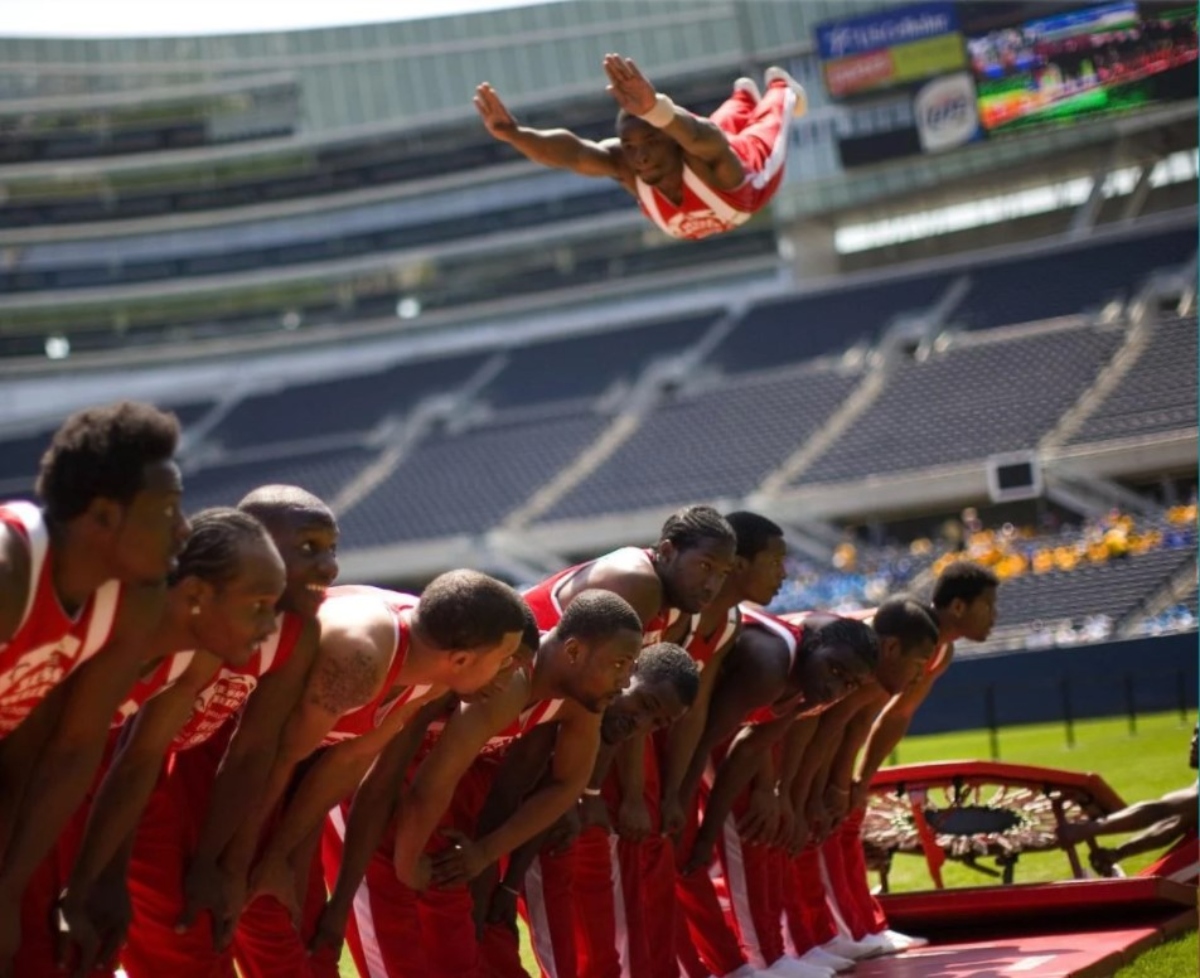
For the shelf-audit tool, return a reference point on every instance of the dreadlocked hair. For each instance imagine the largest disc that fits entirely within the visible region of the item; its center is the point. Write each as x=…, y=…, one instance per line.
x=694, y=525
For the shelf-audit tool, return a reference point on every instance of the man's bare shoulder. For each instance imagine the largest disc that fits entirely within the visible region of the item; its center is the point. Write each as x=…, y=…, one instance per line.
x=14, y=580
x=358, y=637
x=629, y=574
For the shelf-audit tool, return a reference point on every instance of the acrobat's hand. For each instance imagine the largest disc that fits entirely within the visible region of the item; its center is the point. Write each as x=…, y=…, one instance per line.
x=628, y=86
x=495, y=115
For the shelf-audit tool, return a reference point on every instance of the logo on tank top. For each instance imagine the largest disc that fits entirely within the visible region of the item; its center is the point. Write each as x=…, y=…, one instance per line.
x=35, y=674
x=698, y=224
x=215, y=704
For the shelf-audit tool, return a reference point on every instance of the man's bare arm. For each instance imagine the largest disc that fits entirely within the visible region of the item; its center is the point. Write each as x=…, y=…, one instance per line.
x=558, y=148
x=574, y=756
x=71, y=754
x=127, y=786
x=683, y=738
x=374, y=805
x=747, y=681
x=345, y=676
x=893, y=722
x=433, y=787
x=252, y=750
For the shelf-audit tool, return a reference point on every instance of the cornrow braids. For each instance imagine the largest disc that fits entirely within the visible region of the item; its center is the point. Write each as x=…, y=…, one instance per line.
x=218, y=537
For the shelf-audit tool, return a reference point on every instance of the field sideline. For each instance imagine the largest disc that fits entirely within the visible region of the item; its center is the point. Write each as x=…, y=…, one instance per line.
x=1138, y=766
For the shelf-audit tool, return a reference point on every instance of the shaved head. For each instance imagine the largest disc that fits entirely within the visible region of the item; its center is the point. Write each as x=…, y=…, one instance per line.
x=270, y=504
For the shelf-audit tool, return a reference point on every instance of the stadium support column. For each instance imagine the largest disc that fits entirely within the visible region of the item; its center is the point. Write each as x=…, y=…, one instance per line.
x=807, y=246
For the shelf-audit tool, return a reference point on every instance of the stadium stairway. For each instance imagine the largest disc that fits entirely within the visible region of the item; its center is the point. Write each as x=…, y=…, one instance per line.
x=852, y=408
x=1137, y=339
x=1177, y=590
x=645, y=396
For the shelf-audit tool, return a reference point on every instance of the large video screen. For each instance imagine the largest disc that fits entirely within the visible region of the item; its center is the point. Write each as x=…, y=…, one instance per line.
x=1082, y=63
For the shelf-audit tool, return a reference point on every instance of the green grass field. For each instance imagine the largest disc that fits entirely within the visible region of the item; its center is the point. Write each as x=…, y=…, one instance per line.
x=1142, y=765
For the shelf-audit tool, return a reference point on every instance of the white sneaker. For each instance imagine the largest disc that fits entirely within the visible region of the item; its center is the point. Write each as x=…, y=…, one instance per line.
x=745, y=84
x=893, y=942
x=823, y=959
x=844, y=947
x=775, y=73
x=787, y=967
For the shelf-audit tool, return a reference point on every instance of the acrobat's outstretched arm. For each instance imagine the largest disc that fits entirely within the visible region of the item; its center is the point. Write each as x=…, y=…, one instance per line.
x=559, y=148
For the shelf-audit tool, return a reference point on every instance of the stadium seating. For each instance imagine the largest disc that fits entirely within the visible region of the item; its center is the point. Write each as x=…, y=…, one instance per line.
x=999, y=391
x=466, y=483
x=800, y=327
x=323, y=472
x=582, y=367
x=346, y=406
x=1076, y=280
x=1157, y=395
x=719, y=442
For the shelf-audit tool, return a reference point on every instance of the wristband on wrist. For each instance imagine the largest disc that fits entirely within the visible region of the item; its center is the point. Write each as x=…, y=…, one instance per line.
x=663, y=113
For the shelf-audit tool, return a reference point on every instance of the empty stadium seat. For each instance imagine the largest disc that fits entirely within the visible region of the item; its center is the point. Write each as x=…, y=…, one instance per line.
x=582, y=367
x=1157, y=395
x=1072, y=280
x=720, y=442
x=799, y=327
x=345, y=406
x=467, y=483
x=987, y=393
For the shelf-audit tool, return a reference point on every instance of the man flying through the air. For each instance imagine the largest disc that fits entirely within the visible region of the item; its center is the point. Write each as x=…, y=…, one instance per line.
x=692, y=176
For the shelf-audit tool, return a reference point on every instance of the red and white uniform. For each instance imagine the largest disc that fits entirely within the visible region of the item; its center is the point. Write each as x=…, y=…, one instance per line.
x=758, y=134
x=1180, y=863
x=163, y=675
x=842, y=863
x=628, y=924
x=554, y=926
x=48, y=643
x=753, y=875
x=702, y=648
x=363, y=719
x=396, y=932
x=170, y=827
x=36, y=957
x=545, y=602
